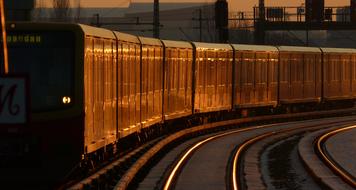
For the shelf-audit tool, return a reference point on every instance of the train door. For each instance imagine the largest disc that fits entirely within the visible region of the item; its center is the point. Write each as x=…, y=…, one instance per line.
x=261, y=77
x=284, y=76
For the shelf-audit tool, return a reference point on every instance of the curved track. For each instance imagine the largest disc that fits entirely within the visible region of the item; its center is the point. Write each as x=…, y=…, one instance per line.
x=329, y=161
x=207, y=164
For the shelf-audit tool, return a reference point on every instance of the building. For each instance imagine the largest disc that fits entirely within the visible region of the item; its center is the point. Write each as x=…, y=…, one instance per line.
x=179, y=21
x=18, y=10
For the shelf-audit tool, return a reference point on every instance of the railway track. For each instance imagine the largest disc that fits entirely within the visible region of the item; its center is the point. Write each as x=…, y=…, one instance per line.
x=247, y=177
x=329, y=161
x=128, y=178
x=183, y=179
x=328, y=169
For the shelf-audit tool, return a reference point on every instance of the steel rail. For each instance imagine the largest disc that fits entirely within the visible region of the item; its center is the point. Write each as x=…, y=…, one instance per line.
x=188, y=153
x=124, y=182
x=237, y=154
x=348, y=178
x=183, y=159
x=241, y=148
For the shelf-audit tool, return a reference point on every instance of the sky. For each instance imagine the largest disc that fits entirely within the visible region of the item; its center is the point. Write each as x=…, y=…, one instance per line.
x=236, y=5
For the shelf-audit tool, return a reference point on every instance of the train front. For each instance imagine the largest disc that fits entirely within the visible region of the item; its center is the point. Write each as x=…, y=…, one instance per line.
x=41, y=113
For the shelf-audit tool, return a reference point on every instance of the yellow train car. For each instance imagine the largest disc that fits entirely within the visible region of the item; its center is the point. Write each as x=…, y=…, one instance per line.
x=256, y=76
x=300, y=76
x=129, y=84
x=178, y=64
x=339, y=73
x=213, y=77
x=151, y=81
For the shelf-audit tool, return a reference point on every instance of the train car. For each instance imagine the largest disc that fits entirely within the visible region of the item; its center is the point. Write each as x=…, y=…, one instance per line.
x=213, y=77
x=339, y=74
x=151, y=81
x=300, y=79
x=65, y=65
x=100, y=88
x=90, y=88
x=129, y=84
x=256, y=76
x=178, y=76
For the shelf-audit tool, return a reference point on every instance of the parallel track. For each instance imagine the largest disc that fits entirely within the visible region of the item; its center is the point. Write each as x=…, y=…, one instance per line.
x=127, y=177
x=321, y=152
x=236, y=158
x=242, y=148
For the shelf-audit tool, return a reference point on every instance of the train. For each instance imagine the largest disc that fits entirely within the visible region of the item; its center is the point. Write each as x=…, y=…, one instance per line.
x=94, y=92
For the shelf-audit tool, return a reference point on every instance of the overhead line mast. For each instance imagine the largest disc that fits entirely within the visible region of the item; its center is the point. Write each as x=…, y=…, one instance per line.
x=156, y=19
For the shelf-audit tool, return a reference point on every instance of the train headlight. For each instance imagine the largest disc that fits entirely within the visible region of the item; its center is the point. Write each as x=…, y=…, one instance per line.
x=66, y=100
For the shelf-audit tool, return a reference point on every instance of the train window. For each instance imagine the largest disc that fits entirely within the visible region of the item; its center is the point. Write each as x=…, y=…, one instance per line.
x=199, y=70
x=261, y=67
x=284, y=67
x=131, y=69
x=49, y=62
x=273, y=67
x=248, y=67
x=309, y=60
x=334, y=68
x=345, y=66
x=258, y=67
x=125, y=68
x=353, y=65
x=183, y=56
x=296, y=61
x=151, y=66
x=158, y=71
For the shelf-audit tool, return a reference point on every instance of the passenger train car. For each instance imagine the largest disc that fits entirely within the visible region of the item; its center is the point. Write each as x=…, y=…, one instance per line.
x=94, y=91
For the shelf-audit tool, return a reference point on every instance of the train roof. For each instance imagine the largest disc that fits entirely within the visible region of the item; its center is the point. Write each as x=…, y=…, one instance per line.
x=94, y=31
x=177, y=44
x=127, y=37
x=85, y=29
x=261, y=48
x=150, y=41
x=338, y=50
x=299, y=49
x=202, y=45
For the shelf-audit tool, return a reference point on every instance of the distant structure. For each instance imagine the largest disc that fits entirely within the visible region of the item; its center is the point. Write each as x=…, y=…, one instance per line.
x=313, y=16
x=221, y=20
x=177, y=21
x=19, y=10
x=156, y=24
x=343, y=14
x=353, y=10
x=314, y=10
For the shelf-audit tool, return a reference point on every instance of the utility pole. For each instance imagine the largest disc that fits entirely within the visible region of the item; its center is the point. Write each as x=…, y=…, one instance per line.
x=200, y=19
x=261, y=6
x=260, y=31
x=353, y=10
x=200, y=25
x=156, y=19
x=97, y=18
